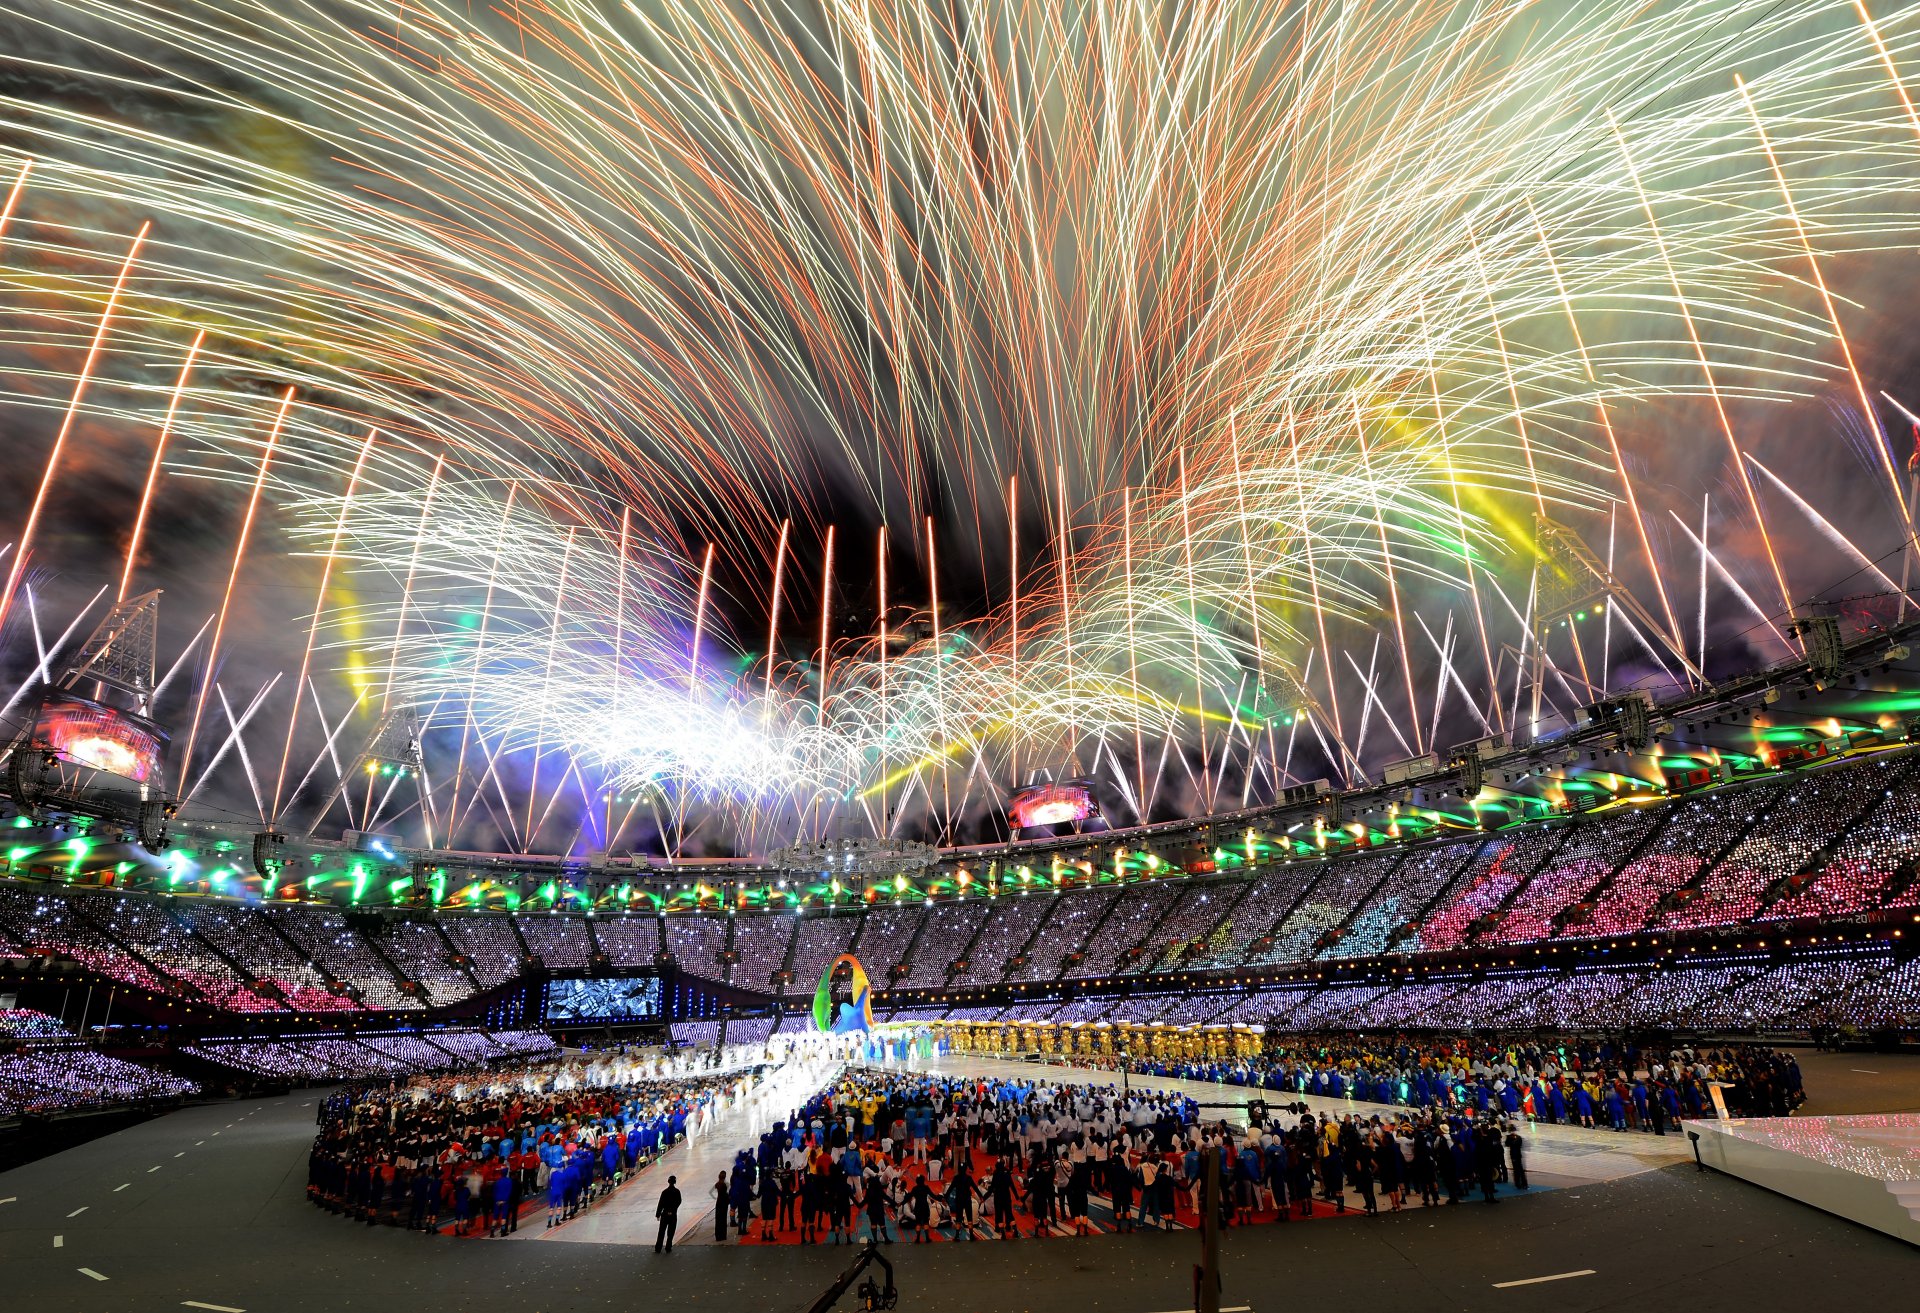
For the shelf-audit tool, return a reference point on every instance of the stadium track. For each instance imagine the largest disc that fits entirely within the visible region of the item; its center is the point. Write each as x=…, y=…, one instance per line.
x=223, y=1221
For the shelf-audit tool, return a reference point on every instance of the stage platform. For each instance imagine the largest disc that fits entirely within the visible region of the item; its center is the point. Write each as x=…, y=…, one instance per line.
x=1865, y=1168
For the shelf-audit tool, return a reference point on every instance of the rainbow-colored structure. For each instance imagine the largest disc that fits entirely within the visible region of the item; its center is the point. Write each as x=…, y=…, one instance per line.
x=856, y=1015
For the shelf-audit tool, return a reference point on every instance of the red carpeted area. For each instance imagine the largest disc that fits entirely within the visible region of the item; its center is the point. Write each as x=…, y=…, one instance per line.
x=1100, y=1218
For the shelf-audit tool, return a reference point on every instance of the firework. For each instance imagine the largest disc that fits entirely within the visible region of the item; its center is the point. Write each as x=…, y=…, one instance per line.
x=1303, y=321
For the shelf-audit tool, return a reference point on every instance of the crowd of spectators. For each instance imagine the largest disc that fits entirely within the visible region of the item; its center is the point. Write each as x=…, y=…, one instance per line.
x=491, y=946
x=1190, y=921
x=561, y=942
x=631, y=941
x=1130, y=922
x=1001, y=938
x=949, y=929
x=1805, y=818
x=760, y=945
x=422, y=953
x=817, y=941
x=1861, y=987
x=45, y=1078
x=1065, y=932
x=30, y=1023
x=341, y=1057
x=696, y=943
x=1270, y=896
x=344, y=954
x=1832, y=841
x=1588, y=857
x=885, y=935
x=696, y=1034
x=50, y=923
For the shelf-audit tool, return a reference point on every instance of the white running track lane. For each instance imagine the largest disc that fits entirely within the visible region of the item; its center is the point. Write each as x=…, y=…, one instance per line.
x=1534, y=1281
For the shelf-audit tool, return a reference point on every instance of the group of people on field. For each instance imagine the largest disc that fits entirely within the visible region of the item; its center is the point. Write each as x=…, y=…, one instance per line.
x=886, y=1151
x=475, y=1149
x=1565, y=1080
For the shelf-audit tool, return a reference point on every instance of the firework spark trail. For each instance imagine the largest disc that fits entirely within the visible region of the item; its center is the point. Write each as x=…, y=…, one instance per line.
x=313, y=622
x=155, y=465
x=1221, y=264
x=41, y=673
x=233, y=577
x=24, y=544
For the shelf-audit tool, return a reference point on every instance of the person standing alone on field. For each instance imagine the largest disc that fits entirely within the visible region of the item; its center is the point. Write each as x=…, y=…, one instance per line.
x=668, y=1211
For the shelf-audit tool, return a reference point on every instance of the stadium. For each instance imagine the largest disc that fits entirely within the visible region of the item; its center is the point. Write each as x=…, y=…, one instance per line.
x=631, y=632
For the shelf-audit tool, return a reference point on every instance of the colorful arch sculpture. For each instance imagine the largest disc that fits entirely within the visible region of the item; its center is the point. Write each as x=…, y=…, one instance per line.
x=854, y=1016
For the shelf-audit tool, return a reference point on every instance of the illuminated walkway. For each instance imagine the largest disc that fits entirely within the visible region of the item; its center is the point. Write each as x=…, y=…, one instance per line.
x=627, y=1218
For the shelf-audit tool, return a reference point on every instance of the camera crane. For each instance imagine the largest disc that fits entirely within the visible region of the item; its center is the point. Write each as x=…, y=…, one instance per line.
x=871, y=1296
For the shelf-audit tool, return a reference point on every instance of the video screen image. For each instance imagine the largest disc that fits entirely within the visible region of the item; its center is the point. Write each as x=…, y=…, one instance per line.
x=1051, y=803
x=90, y=734
x=634, y=998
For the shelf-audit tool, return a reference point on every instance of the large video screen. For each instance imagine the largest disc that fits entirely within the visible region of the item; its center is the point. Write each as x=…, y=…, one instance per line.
x=89, y=734
x=1051, y=803
x=630, y=998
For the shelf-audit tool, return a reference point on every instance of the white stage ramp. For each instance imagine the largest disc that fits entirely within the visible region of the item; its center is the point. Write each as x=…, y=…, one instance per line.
x=1866, y=1168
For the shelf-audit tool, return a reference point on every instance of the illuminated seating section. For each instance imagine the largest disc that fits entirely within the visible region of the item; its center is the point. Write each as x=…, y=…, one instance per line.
x=243, y=935
x=884, y=938
x=489, y=943
x=1588, y=856
x=1273, y=892
x=761, y=944
x=68, y=1077
x=339, y=1057
x=1294, y=939
x=1834, y=841
x=1193, y=1009
x=471, y=1046
x=522, y=1043
x=1132, y=918
x=696, y=1034
x=1329, y=1007
x=1889, y=995
x=976, y=1014
x=1065, y=932
x=696, y=943
x=1083, y=1009
x=1872, y=852
x=564, y=943
x=1805, y=819
x=1518, y=995
x=1005, y=934
x=950, y=928
x=749, y=1030
x=30, y=1023
x=1495, y=872
x=149, y=928
x=1409, y=1006
x=1194, y=913
x=422, y=953
x=1694, y=831
x=344, y=955
x=1408, y=886
x=413, y=1053
x=630, y=941
x=816, y=942
x=1863, y=987
x=51, y=923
